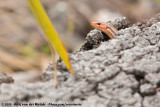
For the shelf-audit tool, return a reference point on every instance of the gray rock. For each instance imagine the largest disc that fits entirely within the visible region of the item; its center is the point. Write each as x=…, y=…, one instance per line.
x=152, y=101
x=113, y=73
x=147, y=89
x=5, y=79
x=153, y=78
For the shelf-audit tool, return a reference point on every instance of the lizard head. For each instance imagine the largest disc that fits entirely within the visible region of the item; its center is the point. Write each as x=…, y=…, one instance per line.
x=106, y=28
x=100, y=25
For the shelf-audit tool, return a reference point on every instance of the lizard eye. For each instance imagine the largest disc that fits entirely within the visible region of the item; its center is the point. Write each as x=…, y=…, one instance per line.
x=98, y=23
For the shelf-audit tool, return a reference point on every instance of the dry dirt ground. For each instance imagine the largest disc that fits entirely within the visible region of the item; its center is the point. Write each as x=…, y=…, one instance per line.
x=122, y=72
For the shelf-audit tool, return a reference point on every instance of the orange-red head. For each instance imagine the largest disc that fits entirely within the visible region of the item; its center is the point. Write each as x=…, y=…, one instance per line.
x=100, y=25
x=106, y=28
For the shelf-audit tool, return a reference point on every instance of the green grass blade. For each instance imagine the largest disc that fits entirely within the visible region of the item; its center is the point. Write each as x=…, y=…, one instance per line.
x=50, y=31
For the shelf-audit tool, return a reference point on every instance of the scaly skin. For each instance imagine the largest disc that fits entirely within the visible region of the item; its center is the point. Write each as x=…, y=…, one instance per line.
x=106, y=28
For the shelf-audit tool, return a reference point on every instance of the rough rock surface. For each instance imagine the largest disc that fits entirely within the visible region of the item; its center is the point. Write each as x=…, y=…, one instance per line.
x=122, y=72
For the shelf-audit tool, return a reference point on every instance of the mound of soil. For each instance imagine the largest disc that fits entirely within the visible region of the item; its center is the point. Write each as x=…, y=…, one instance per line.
x=122, y=72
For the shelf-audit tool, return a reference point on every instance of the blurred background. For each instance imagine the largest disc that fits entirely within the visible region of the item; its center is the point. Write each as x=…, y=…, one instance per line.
x=24, y=52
